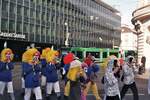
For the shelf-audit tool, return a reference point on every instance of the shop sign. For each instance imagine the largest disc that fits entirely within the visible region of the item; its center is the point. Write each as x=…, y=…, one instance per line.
x=12, y=35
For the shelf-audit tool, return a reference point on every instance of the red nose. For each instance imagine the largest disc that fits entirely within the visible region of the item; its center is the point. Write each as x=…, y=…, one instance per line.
x=37, y=54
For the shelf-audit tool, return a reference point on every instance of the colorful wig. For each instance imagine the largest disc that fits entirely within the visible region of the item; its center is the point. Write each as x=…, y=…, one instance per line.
x=44, y=53
x=29, y=54
x=68, y=58
x=5, y=54
x=51, y=56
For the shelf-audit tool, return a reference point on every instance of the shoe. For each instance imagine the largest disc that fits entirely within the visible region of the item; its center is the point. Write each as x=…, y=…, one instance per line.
x=47, y=98
x=59, y=98
x=66, y=97
x=22, y=94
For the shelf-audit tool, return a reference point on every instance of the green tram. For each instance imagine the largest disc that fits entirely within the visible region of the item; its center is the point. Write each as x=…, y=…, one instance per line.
x=99, y=53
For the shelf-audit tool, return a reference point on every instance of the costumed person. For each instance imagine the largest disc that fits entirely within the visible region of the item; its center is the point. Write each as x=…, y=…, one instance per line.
x=6, y=67
x=43, y=70
x=116, y=64
x=68, y=58
x=83, y=82
x=129, y=71
x=121, y=61
x=52, y=81
x=24, y=62
x=31, y=73
x=91, y=70
x=74, y=74
x=111, y=86
x=142, y=65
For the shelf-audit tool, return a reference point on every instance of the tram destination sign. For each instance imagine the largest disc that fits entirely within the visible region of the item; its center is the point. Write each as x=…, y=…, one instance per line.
x=12, y=35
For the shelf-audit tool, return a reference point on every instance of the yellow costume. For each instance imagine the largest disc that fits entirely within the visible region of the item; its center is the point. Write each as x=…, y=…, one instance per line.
x=94, y=89
x=91, y=71
x=75, y=71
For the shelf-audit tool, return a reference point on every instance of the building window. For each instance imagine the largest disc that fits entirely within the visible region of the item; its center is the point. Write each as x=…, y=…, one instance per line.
x=43, y=16
x=32, y=29
x=38, y=1
x=37, y=15
x=38, y=29
x=19, y=10
x=4, y=25
x=5, y=6
x=32, y=13
x=20, y=1
x=26, y=12
x=12, y=8
x=33, y=1
x=25, y=28
x=19, y=27
x=12, y=26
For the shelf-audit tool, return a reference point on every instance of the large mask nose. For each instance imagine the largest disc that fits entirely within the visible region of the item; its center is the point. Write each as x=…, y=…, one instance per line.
x=8, y=56
x=35, y=58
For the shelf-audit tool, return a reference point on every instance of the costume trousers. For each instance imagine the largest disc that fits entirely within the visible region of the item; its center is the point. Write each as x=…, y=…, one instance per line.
x=133, y=89
x=94, y=89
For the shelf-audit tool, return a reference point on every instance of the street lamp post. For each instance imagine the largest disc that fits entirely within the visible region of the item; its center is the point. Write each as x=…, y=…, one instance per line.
x=67, y=35
x=100, y=38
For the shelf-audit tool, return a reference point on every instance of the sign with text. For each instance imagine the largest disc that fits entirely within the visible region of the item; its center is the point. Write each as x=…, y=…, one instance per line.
x=12, y=35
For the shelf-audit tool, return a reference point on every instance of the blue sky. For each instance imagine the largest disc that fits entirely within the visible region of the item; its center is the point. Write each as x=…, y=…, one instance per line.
x=126, y=7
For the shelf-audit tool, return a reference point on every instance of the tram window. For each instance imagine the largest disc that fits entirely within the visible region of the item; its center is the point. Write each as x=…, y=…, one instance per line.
x=79, y=54
x=104, y=54
x=88, y=53
x=130, y=52
x=73, y=52
x=126, y=54
x=95, y=54
x=114, y=53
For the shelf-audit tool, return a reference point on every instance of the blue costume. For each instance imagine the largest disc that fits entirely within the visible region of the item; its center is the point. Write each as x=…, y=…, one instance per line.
x=31, y=75
x=43, y=63
x=6, y=67
x=31, y=72
x=51, y=73
x=5, y=71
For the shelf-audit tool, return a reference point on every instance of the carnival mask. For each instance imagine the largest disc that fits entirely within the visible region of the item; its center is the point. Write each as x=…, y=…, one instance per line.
x=8, y=56
x=36, y=57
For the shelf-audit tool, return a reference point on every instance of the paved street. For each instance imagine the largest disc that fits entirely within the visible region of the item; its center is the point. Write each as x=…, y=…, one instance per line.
x=141, y=84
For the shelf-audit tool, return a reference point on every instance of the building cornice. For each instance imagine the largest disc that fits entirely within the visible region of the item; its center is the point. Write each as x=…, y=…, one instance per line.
x=106, y=6
x=141, y=13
